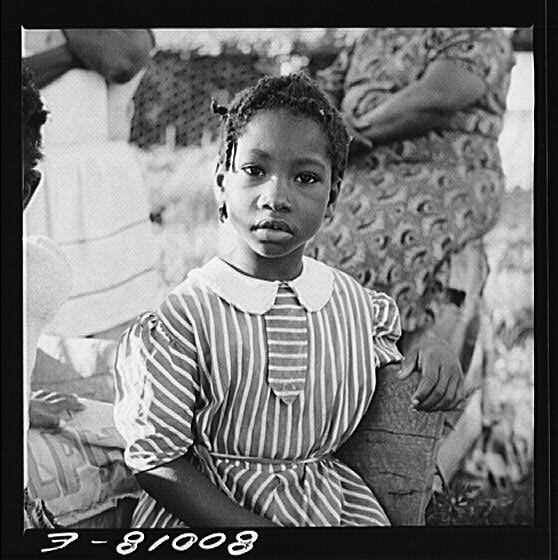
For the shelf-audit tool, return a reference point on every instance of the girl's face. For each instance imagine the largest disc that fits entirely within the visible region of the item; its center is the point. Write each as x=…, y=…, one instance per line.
x=277, y=192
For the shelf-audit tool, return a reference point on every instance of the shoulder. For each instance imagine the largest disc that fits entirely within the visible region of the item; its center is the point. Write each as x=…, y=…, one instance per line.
x=344, y=282
x=189, y=302
x=182, y=300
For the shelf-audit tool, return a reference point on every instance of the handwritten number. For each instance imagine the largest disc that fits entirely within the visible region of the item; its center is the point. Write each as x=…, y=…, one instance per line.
x=64, y=538
x=158, y=542
x=221, y=538
x=192, y=538
x=127, y=546
x=244, y=543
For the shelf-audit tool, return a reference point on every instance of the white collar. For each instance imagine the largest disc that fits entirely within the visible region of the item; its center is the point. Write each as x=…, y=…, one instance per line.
x=313, y=286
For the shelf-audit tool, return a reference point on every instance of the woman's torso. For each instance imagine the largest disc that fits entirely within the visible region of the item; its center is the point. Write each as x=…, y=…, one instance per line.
x=407, y=205
x=83, y=107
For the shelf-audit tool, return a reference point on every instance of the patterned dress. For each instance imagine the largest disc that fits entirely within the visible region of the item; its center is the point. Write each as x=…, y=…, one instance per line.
x=406, y=206
x=264, y=381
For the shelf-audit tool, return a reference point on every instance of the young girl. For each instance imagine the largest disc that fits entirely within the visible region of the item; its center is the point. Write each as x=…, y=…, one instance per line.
x=235, y=395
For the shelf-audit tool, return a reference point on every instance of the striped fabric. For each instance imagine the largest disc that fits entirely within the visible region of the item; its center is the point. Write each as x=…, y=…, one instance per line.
x=287, y=343
x=35, y=514
x=197, y=372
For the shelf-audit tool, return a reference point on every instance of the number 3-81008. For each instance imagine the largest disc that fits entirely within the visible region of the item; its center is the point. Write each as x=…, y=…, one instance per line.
x=244, y=542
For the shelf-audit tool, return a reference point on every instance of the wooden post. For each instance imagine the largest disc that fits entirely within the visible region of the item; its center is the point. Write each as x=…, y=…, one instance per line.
x=394, y=449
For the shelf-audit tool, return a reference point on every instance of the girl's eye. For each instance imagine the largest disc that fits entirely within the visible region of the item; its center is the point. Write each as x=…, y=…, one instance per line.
x=253, y=170
x=306, y=178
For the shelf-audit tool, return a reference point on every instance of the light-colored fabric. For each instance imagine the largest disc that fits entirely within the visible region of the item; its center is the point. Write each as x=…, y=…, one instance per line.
x=93, y=205
x=120, y=107
x=406, y=205
x=76, y=473
x=78, y=109
x=196, y=372
x=286, y=332
x=313, y=287
x=46, y=286
x=93, y=201
x=102, y=110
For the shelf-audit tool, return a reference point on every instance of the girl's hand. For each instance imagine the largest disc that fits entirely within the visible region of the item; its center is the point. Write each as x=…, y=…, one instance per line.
x=51, y=409
x=441, y=386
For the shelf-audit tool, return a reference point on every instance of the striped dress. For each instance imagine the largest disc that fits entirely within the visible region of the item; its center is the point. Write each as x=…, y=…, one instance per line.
x=265, y=381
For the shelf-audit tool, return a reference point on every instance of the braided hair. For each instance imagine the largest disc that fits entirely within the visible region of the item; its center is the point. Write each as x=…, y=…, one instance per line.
x=299, y=94
x=33, y=116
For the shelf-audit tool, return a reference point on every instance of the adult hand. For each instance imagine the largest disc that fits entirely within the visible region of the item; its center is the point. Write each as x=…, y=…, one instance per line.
x=441, y=386
x=52, y=410
x=117, y=54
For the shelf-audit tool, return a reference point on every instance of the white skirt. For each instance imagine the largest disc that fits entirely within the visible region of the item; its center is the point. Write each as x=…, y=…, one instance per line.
x=94, y=205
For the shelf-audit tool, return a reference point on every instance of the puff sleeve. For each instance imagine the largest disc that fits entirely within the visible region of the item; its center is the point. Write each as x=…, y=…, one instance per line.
x=386, y=330
x=157, y=386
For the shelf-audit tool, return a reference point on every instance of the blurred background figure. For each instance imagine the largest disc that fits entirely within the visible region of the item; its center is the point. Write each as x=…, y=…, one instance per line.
x=425, y=184
x=93, y=201
x=47, y=282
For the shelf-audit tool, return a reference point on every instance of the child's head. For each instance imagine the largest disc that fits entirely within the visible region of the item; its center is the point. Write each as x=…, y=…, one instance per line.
x=33, y=116
x=296, y=93
x=282, y=157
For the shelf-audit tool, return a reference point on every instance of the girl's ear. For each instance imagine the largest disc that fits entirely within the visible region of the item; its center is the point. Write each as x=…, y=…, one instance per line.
x=333, y=196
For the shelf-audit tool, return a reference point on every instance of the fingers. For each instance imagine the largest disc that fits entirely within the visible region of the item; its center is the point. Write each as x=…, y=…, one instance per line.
x=56, y=407
x=430, y=389
x=59, y=401
x=39, y=417
x=445, y=401
x=447, y=393
x=410, y=364
x=54, y=412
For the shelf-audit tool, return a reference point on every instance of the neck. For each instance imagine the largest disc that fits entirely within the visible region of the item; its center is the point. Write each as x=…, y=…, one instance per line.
x=284, y=268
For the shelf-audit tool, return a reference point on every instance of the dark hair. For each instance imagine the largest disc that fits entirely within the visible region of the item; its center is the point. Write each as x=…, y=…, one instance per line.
x=33, y=116
x=295, y=92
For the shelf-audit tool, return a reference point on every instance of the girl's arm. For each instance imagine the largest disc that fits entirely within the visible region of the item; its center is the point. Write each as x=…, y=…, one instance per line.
x=423, y=105
x=157, y=387
x=184, y=491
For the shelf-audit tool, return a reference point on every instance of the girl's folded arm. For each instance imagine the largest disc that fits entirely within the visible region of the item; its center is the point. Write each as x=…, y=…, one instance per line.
x=185, y=492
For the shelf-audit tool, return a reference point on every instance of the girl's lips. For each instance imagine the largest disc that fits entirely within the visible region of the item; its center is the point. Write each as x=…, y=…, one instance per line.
x=272, y=230
x=273, y=225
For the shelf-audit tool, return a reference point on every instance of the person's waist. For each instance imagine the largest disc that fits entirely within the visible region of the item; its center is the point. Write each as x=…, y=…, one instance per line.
x=270, y=461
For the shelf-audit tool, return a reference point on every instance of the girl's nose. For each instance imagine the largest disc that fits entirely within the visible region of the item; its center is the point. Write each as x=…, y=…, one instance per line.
x=275, y=194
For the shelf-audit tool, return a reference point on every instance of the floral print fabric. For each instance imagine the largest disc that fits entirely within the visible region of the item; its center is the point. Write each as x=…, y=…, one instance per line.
x=406, y=206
